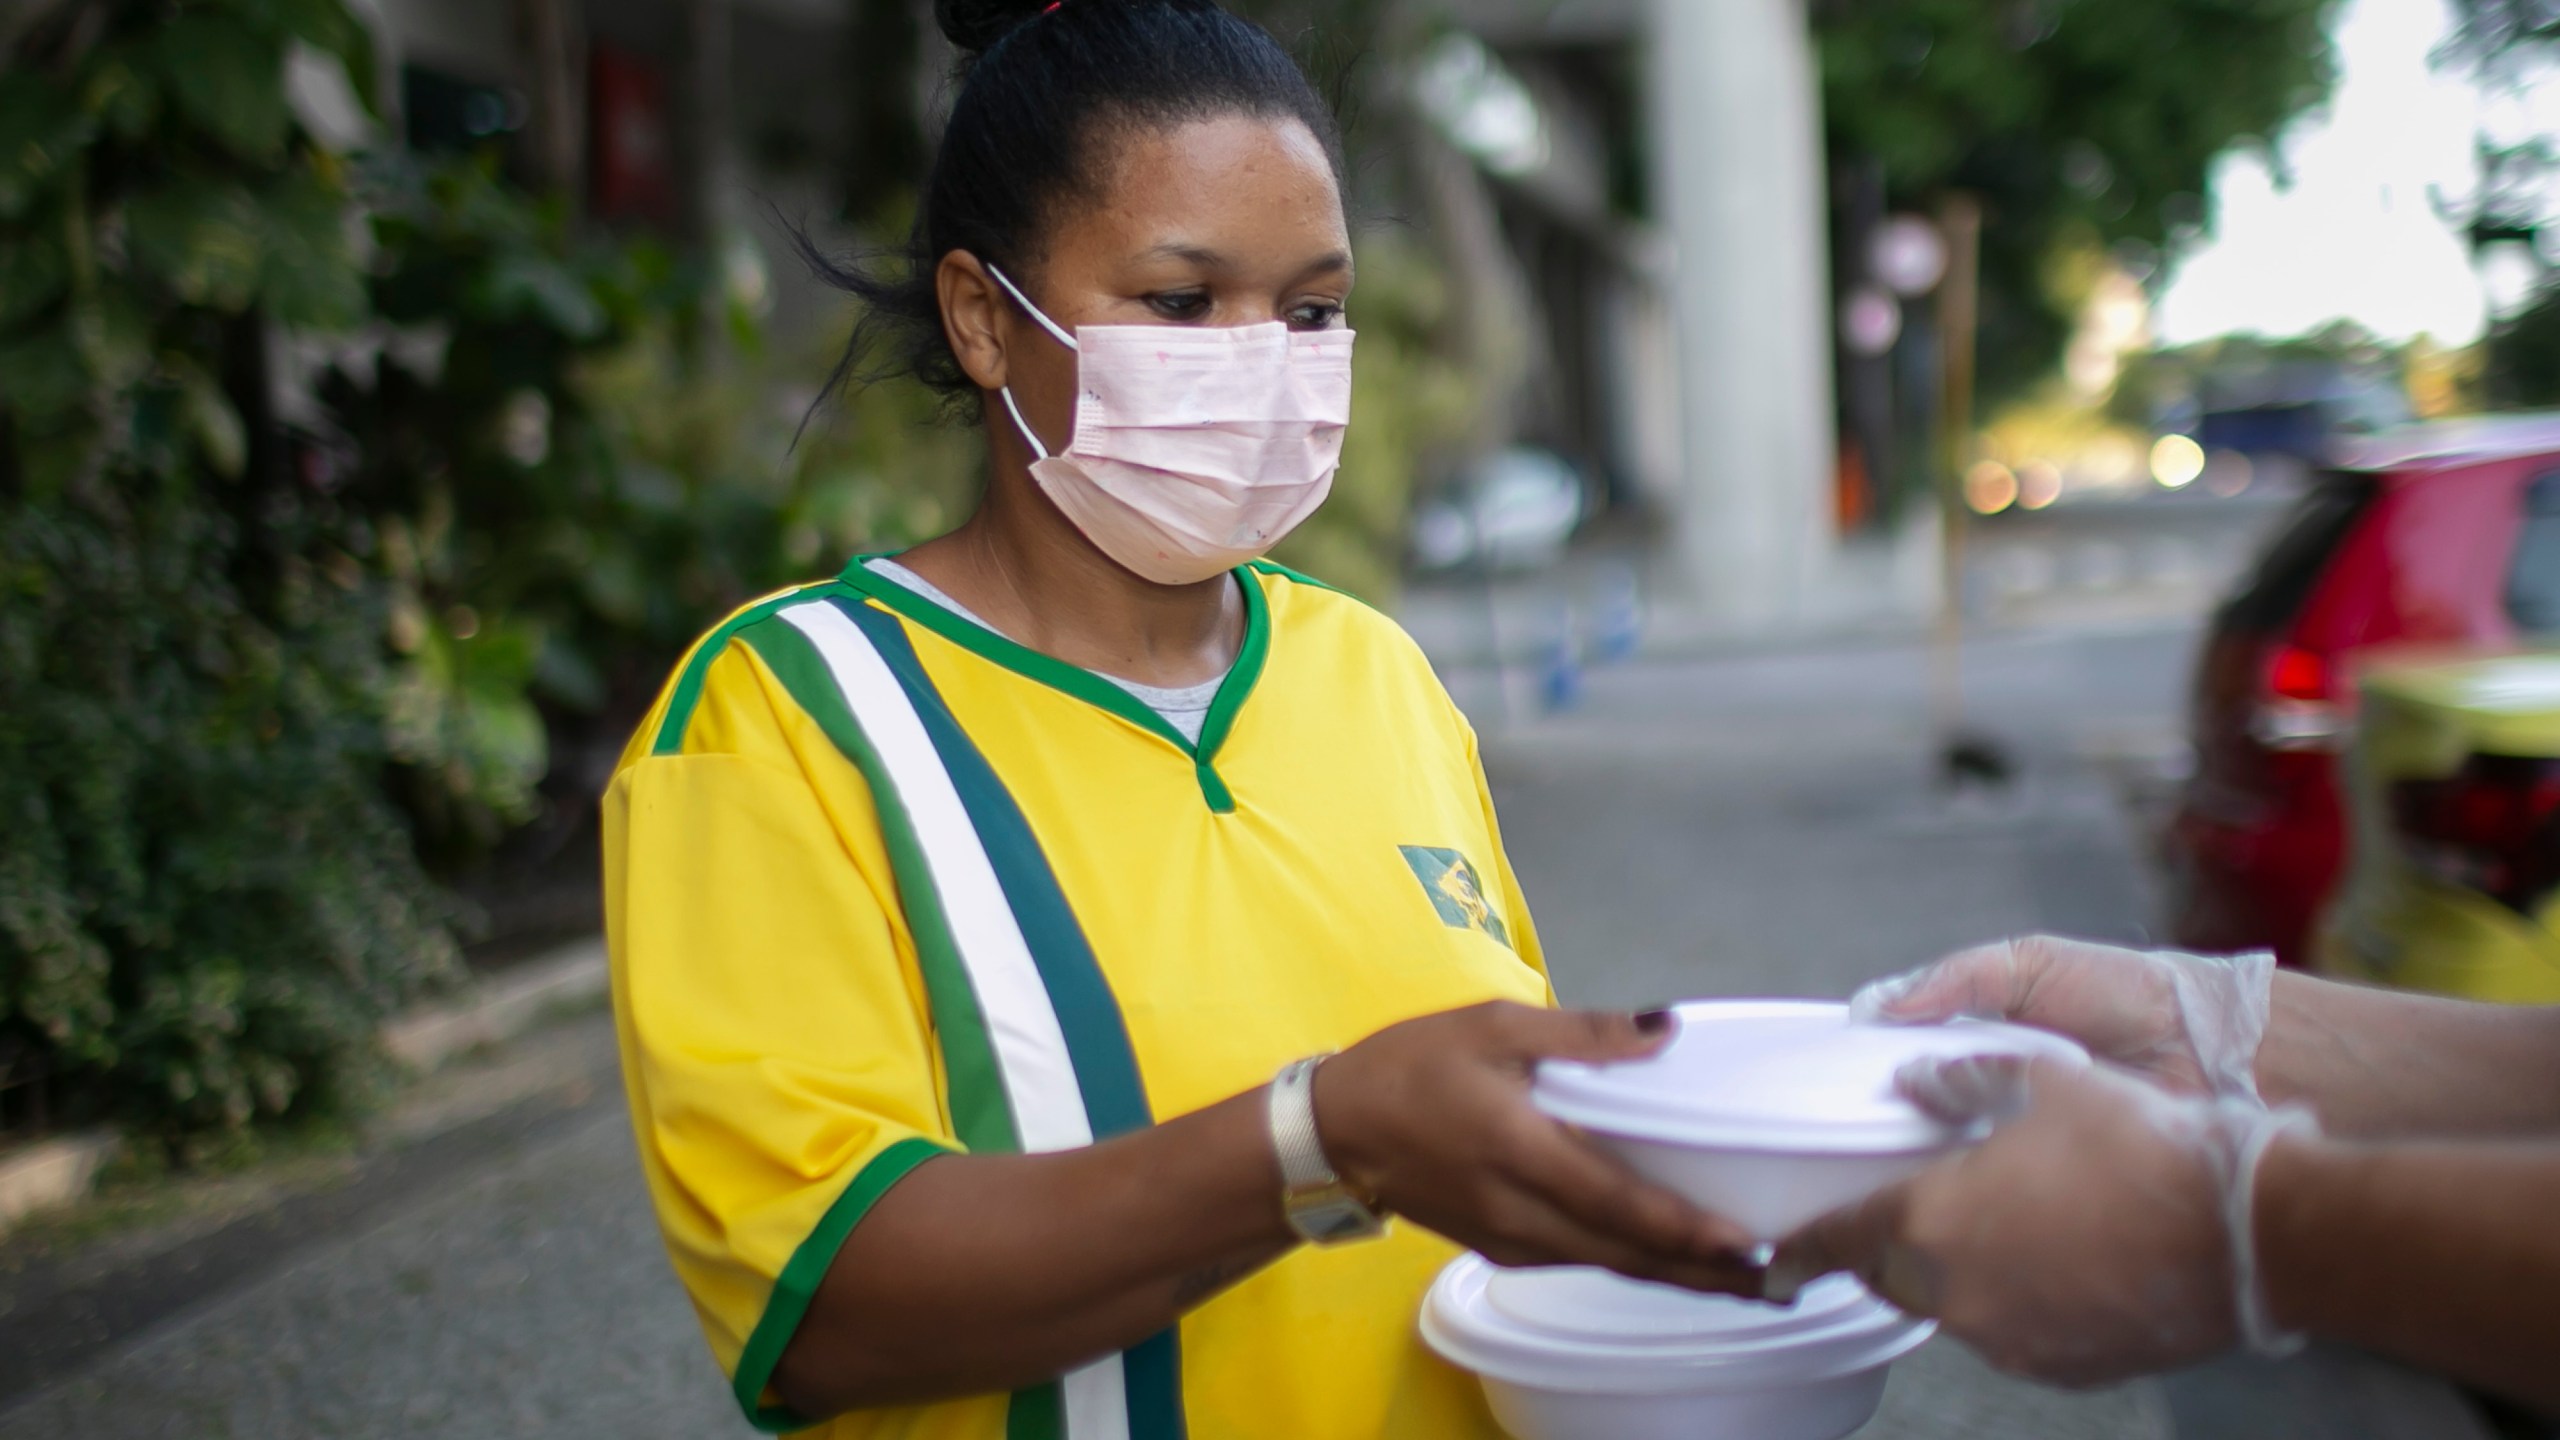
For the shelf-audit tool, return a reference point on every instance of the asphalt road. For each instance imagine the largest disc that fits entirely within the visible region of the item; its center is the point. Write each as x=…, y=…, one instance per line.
x=1776, y=823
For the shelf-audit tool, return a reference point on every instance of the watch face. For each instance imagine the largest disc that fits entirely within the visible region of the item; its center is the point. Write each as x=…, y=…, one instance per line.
x=1332, y=1222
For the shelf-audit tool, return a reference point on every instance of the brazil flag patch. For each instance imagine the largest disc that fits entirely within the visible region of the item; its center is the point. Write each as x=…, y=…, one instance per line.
x=1451, y=883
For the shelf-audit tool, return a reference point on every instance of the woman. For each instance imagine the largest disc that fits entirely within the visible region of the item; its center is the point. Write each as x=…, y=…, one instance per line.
x=964, y=908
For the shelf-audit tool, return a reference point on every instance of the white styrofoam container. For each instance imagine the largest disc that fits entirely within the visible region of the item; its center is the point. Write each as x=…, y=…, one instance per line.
x=1579, y=1354
x=1773, y=1112
x=1768, y=1193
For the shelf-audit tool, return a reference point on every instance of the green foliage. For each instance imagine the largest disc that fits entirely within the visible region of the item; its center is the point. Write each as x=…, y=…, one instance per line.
x=504, y=523
x=2504, y=35
x=2072, y=120
x=2342, y=352
x=2522, y=355
x=205, y=901
x=2515, y=42
x=254, y=665
x=573, y=480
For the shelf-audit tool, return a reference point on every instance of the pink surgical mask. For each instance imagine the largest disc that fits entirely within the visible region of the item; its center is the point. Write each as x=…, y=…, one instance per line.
x=1195, y=448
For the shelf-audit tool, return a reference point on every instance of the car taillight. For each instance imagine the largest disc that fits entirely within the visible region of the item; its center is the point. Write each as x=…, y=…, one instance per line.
x=2294, y=673
x=2300, y=708
x=2493, y=826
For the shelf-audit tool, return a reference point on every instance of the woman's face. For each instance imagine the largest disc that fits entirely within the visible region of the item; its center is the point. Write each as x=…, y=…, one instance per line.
x=1221, y=222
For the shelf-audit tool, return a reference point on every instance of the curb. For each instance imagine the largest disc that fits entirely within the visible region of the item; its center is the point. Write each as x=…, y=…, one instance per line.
x=57, y=1172
x=499, y=1010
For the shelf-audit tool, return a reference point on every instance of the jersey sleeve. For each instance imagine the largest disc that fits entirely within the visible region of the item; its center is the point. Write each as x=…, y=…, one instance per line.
x=775, y=1039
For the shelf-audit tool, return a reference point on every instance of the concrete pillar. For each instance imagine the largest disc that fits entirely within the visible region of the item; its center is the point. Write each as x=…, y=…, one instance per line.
x=1738, y=178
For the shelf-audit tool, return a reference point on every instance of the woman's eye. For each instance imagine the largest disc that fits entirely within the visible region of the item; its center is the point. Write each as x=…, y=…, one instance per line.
x=1180, y=304
x=1315, y=315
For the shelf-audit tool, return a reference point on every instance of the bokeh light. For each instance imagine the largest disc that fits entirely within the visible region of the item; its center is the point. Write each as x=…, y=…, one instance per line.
x=2176, y=461
x=2228, y=472
x=2039, y=484
x=1990, y=488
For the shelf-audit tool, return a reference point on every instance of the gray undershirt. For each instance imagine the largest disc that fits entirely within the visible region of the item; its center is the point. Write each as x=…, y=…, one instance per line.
x=1184, y=707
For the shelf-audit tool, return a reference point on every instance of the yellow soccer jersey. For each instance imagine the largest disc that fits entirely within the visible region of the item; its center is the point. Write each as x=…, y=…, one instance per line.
x=882, y=885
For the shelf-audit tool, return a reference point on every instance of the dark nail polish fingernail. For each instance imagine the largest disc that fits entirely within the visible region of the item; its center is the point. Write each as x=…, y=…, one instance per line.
x=1653, y=1022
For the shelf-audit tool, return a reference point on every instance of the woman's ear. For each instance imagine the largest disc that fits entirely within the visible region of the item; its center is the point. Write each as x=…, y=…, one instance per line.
x=972, y=317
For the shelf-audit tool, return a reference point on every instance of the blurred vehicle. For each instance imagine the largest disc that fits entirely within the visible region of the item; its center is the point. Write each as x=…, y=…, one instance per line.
x=2453, y=804
x=1512, y=510
x=2440, y=537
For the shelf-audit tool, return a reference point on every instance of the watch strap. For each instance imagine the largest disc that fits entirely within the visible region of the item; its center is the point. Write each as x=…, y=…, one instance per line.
x=1293, y=1127
x=1322, y=1209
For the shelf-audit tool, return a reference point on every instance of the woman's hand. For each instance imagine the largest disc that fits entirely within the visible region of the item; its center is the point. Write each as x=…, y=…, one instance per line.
x=2191, y=1024
x=2088, y=1240
x=1432, y=1118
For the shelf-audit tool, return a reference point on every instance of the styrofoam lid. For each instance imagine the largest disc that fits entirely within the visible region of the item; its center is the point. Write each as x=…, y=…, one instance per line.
x=1786, y=1076
x=1581, y=1329
x=1573, y=1302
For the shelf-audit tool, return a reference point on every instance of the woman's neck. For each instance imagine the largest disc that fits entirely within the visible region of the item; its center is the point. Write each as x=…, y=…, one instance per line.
x=1031, y=574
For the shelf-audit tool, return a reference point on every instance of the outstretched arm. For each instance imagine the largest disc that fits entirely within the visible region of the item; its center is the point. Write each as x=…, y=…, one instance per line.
x=2371, y=1063
x=2377, y=1063
x=2096, y=1236
x=2440, y=1254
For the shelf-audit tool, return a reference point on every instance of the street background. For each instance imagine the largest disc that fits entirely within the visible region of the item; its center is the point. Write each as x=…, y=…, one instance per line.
x=1808, y=436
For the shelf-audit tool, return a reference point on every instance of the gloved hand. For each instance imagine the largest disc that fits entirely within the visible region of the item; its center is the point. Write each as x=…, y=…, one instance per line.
x=2103, y=1232
x=2190, y=1023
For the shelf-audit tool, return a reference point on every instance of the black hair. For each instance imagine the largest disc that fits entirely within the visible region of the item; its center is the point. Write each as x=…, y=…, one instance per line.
x=1042, y=88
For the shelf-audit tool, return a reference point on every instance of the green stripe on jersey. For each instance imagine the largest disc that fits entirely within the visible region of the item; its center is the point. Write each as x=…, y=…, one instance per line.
x=1084, y=684
x=1115, y=1100
x=797, y=1286
x=688, y=693
x=1107, y=1078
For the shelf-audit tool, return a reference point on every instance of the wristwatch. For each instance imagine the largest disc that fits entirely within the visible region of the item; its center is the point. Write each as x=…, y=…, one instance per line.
x=1319, y=1206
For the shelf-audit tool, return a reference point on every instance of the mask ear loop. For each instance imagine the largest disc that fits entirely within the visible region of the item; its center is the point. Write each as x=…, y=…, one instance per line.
x=1038, y=450
x=1032, y=310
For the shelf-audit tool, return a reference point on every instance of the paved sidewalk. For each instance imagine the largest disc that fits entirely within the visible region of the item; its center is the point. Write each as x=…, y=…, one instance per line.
x=527, y=1298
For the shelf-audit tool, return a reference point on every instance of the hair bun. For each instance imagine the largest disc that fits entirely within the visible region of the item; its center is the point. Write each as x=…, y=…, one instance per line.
x=974, y=25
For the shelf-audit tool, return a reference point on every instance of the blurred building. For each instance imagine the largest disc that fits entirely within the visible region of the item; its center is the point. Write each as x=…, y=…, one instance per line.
x=1672, y=236
x=687, y=115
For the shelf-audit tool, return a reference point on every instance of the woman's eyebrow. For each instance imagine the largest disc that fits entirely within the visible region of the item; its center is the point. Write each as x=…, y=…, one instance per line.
x=1200, y=255
x=1332, y=262
x=1329, y=263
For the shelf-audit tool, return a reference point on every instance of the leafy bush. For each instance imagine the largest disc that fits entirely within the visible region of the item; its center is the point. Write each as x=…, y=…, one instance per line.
x=205, y=901
x=575, y=474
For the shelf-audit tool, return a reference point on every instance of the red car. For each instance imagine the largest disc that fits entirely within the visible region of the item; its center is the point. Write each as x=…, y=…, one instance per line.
x=2411, y=543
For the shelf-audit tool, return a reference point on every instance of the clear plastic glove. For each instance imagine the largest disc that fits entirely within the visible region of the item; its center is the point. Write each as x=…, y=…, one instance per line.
x=2190, y=1023
x=2101, y=1232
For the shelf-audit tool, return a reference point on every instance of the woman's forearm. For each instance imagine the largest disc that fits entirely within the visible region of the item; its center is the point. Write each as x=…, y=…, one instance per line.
x=982, y=1274
x=2444, y=1255
x=2377, y=1063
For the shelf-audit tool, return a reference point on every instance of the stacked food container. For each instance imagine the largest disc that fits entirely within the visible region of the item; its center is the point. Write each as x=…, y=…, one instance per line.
x=1769, y=1113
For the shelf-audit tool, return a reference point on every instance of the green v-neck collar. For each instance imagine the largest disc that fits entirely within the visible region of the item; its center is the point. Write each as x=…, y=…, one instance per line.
x=1083, y=684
